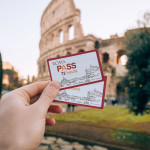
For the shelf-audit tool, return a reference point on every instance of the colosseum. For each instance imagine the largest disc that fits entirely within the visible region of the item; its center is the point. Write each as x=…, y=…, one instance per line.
x=62, y=34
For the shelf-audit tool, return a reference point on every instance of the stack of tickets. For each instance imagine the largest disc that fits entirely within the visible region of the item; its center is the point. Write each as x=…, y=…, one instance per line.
x=81, y=79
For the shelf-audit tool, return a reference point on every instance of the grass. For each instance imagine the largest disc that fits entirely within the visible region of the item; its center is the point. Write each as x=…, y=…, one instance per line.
x=121, y=127
x=131, y=138
x=113, y=117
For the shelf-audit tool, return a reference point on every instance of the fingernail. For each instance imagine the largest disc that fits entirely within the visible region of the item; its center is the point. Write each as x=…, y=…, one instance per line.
x=55, y=84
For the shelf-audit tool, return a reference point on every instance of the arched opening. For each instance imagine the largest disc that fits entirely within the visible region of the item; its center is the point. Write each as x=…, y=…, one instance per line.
x=71, y=32
x=121, y=57
x=52, y=38
x=68, y=53
x=121, y=96
x=81, y=51
x=61, y=37
x=44, y=67
x=105, y=58
x=97, y=45
x=53, y=13
x=46, y=43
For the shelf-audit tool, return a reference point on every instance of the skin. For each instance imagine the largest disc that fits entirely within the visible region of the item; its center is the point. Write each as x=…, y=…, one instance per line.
x=23, y=115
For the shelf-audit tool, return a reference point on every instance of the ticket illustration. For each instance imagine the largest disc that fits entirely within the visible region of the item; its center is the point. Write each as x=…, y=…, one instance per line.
x=76, y=70
x=91, y=95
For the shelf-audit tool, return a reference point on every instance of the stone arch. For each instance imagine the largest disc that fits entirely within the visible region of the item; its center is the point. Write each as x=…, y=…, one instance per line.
x=68, y=53
x=52, y=39
x=97, y=44
x=53, y=13
x=46, y=43
x=81, y=51
x=44, y=67
x=71, y=32
x=121, y=58
x=105, y=57
x=121, y=96
x=61, y=36
x=40, y=68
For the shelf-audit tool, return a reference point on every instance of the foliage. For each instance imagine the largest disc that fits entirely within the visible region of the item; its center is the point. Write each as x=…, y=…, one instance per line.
x=145, y=20
x=114, y=117
x=137, y=80
x=10, y=72
x=13, y=79
x=1, y=74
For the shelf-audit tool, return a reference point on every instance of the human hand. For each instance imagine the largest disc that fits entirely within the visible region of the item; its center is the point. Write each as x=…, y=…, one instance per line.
x=23, y=115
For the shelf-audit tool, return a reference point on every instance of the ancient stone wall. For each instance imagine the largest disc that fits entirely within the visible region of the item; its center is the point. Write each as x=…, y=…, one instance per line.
x=62, y=34
x=57, y=20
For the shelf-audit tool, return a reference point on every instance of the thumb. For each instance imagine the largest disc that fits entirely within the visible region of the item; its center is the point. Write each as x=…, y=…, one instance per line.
x=47, y=96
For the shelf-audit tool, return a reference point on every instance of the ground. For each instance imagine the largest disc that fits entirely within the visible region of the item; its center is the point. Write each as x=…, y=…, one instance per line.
x=114, y=117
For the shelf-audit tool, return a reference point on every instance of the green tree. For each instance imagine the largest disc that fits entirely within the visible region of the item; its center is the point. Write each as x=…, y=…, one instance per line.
x=1, y=74
x=14, y=81
x=137, y=80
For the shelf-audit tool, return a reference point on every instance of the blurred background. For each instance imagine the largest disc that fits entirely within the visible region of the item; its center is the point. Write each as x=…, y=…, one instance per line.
x=33, y=31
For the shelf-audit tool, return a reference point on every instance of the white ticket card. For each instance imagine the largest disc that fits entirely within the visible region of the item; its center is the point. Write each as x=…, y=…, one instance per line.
x=91, y=95
x=76, y=70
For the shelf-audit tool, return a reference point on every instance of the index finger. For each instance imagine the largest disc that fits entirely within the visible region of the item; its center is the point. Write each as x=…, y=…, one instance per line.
x=31, y=90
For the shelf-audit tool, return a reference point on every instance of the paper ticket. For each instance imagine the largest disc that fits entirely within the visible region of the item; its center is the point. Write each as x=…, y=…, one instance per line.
x=76, y=70
x=91, y=95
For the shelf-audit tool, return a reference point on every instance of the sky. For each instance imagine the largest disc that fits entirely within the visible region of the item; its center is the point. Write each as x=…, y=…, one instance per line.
x=20, y=26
